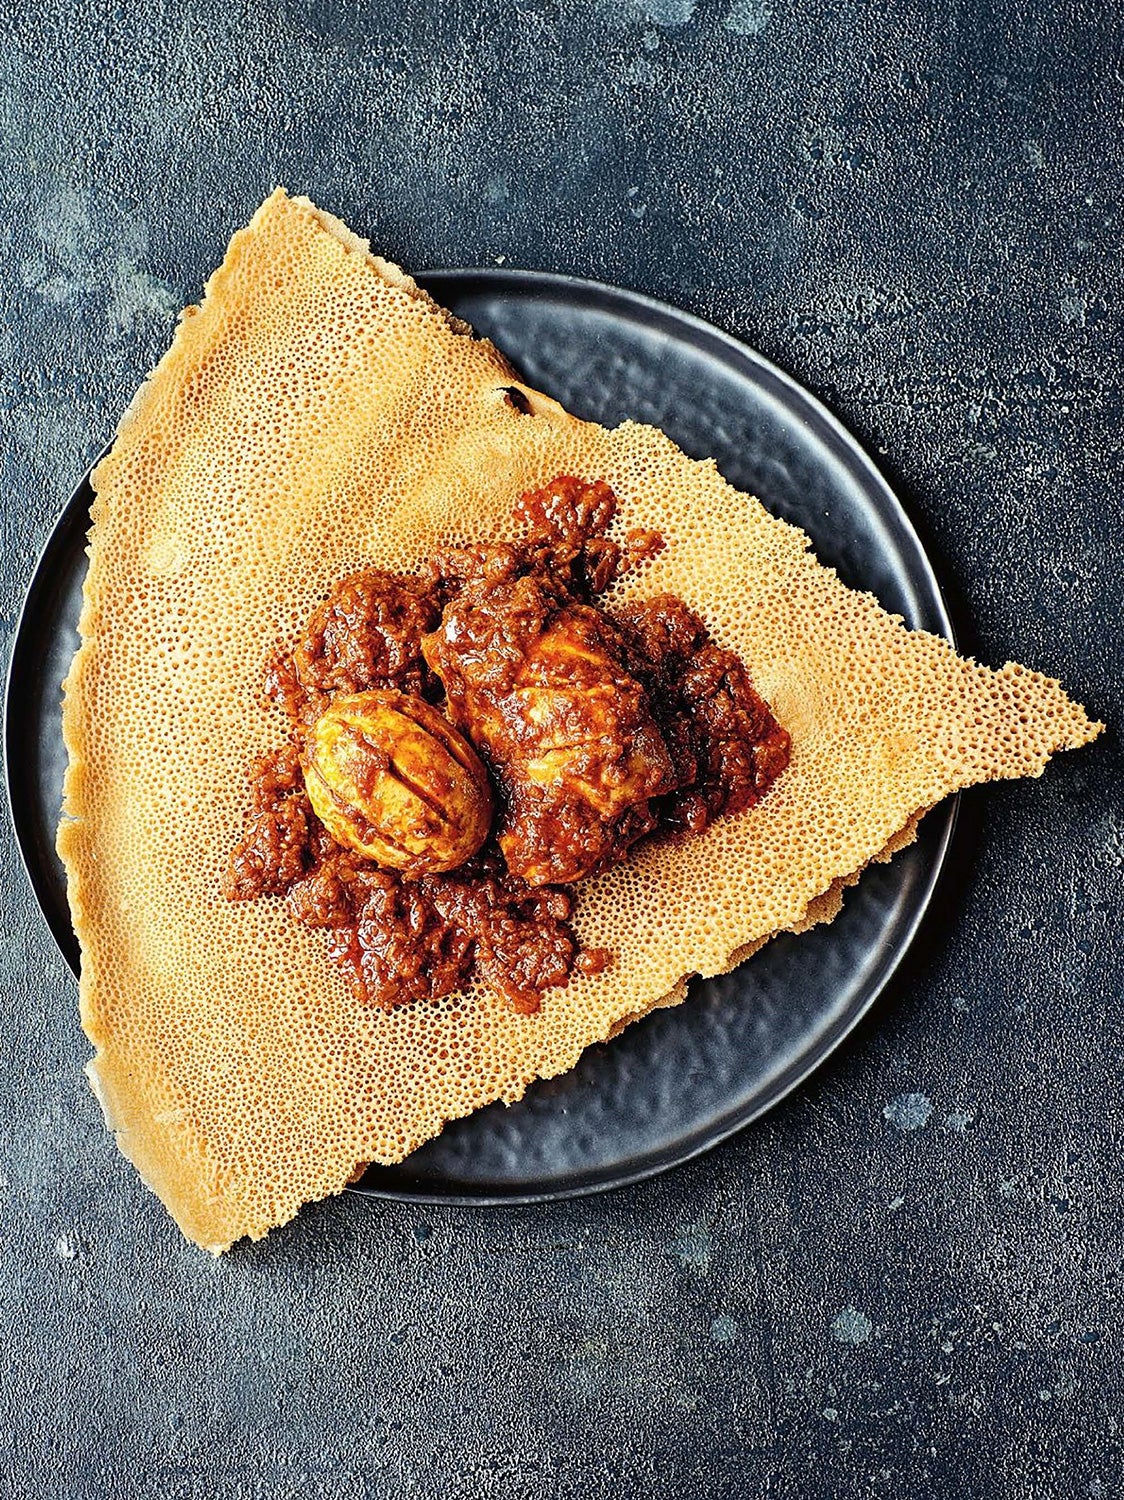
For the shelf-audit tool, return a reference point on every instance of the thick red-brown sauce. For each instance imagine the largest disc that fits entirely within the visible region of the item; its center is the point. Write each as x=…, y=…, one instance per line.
x=597, y=730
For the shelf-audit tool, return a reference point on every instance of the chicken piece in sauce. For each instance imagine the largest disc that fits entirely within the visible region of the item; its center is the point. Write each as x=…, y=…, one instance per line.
x=537, y=681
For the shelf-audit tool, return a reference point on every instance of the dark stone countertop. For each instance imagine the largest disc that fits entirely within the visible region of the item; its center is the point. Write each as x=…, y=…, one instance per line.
x=907, y=1280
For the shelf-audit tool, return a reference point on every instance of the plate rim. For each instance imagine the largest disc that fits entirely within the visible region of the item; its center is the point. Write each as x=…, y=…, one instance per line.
x=21, y=664
x=857, y=459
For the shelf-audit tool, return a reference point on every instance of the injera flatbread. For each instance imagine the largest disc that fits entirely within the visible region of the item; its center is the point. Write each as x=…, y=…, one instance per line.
x=317, y=414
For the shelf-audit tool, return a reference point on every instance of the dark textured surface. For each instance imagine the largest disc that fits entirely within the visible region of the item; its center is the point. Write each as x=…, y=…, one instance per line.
x=907, y=1280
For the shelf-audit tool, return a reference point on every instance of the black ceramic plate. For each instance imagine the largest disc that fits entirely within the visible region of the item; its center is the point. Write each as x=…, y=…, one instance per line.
x=680, y=1080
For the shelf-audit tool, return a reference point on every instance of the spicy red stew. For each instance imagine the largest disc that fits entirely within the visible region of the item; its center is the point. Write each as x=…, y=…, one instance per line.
x=468, y=741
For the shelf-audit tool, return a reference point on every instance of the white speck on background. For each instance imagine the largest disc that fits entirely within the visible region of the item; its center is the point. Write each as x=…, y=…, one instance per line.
x=748, y=17
x=724, y=1330
x=908, y=1111
x=656, y=12
x=851, y=1327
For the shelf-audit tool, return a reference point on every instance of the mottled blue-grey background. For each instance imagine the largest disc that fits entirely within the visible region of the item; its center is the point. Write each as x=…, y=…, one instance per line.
x=908, y=1279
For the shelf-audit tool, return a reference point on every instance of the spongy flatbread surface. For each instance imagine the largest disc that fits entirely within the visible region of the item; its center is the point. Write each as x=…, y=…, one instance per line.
x=318, y=414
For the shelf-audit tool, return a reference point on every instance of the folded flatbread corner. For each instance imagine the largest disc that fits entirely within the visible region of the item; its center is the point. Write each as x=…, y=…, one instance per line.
x=318, y=413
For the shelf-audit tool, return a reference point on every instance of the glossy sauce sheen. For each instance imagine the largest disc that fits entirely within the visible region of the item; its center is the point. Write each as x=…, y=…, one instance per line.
x=597, y=730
